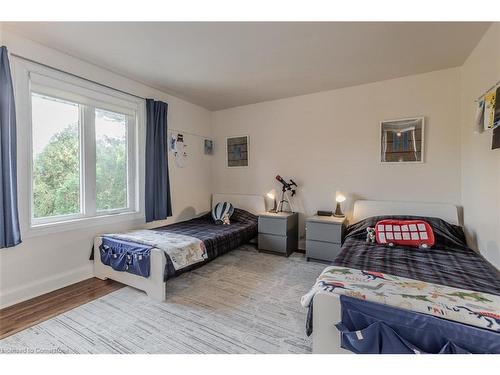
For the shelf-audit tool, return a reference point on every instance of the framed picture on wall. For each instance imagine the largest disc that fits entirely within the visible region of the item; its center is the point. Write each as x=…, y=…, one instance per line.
x=208, y=146
x=237, y=151
x=402, y=140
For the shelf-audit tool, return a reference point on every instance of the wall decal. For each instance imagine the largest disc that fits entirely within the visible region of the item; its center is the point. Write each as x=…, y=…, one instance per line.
x=178, y=147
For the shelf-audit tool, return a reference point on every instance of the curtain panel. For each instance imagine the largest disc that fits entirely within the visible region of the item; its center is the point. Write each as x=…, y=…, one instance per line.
x=9, y=220
x=157, y=192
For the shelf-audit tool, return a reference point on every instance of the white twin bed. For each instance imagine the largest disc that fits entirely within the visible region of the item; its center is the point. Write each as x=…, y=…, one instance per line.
x=154, y=285
x=326, y=306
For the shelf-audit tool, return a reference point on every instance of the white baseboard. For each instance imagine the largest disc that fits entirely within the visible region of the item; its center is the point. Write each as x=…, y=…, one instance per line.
x=49, y=284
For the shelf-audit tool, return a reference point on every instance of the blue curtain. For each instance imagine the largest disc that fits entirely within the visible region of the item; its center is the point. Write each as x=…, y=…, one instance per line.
x=9, y=221
x=158, y=204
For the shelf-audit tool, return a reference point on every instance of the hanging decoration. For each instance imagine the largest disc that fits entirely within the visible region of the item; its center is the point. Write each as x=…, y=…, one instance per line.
x=178, y=147
x=479, y=119
x=495, y=143
x=487, y=111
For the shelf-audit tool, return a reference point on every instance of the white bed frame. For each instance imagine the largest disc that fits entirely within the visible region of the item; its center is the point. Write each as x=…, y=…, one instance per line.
x=326, y=306
x=154, y=286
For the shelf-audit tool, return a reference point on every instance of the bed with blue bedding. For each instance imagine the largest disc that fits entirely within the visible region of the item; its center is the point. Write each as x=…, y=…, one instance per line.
x=134, y=256
x=370, y=327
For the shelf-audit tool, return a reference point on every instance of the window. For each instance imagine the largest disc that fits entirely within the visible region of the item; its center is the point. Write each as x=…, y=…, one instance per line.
x=83, y=152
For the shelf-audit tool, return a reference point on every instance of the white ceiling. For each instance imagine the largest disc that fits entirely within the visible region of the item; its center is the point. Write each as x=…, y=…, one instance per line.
x=222, y=65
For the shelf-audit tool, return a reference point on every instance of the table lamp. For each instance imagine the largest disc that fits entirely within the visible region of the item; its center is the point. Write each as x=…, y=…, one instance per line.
x=339, y=198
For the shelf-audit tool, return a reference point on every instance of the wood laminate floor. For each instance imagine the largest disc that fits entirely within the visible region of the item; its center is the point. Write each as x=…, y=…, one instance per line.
x=39, y=309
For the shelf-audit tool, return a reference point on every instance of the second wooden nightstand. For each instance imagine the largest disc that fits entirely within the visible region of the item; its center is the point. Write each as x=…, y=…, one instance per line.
x=278, y=232
x=324, y=237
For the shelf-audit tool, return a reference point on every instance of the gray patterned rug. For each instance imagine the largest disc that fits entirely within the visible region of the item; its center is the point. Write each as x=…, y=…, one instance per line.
x=242, y=302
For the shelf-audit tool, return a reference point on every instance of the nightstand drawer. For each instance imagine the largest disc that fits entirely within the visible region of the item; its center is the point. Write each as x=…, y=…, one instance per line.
x=277, y=226
x=324, y=232
x=322, y=250
x=278, y=232
x=271, y=242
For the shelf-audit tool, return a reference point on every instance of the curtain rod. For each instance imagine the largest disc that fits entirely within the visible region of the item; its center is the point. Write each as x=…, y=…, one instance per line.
x=185, y=132
x=487, y=91
x=76, y=76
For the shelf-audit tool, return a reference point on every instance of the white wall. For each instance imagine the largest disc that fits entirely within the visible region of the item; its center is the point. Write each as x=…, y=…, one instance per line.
x=480, y=164
x=329, y=141
x=44, y=263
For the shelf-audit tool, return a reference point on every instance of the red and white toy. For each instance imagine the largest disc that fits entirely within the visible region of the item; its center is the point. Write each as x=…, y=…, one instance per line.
x=416, y=233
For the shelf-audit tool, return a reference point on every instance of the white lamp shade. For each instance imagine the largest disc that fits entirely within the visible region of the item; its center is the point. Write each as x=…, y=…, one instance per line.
x=271, y=200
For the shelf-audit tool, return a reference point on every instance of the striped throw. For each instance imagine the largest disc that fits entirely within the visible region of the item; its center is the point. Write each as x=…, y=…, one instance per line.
x=221, y=209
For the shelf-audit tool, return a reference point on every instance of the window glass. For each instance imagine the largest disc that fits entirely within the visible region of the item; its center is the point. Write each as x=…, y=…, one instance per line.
x=111, y=160
x=56, y=157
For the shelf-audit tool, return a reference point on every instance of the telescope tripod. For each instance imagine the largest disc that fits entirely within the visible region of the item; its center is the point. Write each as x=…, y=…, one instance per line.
x=285, y=198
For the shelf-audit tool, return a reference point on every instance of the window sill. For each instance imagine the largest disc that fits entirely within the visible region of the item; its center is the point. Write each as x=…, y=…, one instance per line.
x=134, y=218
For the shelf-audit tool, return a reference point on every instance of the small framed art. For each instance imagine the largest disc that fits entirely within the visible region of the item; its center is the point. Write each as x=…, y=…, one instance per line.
x=237, y=151
x=208, y=145
x=402, y=141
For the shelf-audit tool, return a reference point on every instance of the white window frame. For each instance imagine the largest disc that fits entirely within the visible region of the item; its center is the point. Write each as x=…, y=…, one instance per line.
x=30, y=77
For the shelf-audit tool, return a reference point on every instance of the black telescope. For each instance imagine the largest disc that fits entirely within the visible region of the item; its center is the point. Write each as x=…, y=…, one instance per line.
x=287, y=185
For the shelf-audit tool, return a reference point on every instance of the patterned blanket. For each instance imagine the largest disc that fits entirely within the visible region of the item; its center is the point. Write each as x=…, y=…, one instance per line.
x=183, y=250
x=218, y=239
x=470, y=307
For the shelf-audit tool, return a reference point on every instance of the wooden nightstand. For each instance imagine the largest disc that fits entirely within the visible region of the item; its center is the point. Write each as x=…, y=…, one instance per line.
x=278, y=232
x=324, y=237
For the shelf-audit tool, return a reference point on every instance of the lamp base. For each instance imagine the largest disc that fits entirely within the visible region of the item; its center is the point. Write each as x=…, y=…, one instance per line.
x=338, y=211
x=275, y=208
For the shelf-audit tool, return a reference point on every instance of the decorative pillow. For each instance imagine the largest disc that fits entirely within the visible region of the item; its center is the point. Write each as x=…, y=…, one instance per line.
x=221, y=209
x=417, y=233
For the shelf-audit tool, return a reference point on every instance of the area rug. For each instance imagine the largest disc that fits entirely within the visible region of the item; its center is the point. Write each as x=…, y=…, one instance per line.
x=242, y=302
